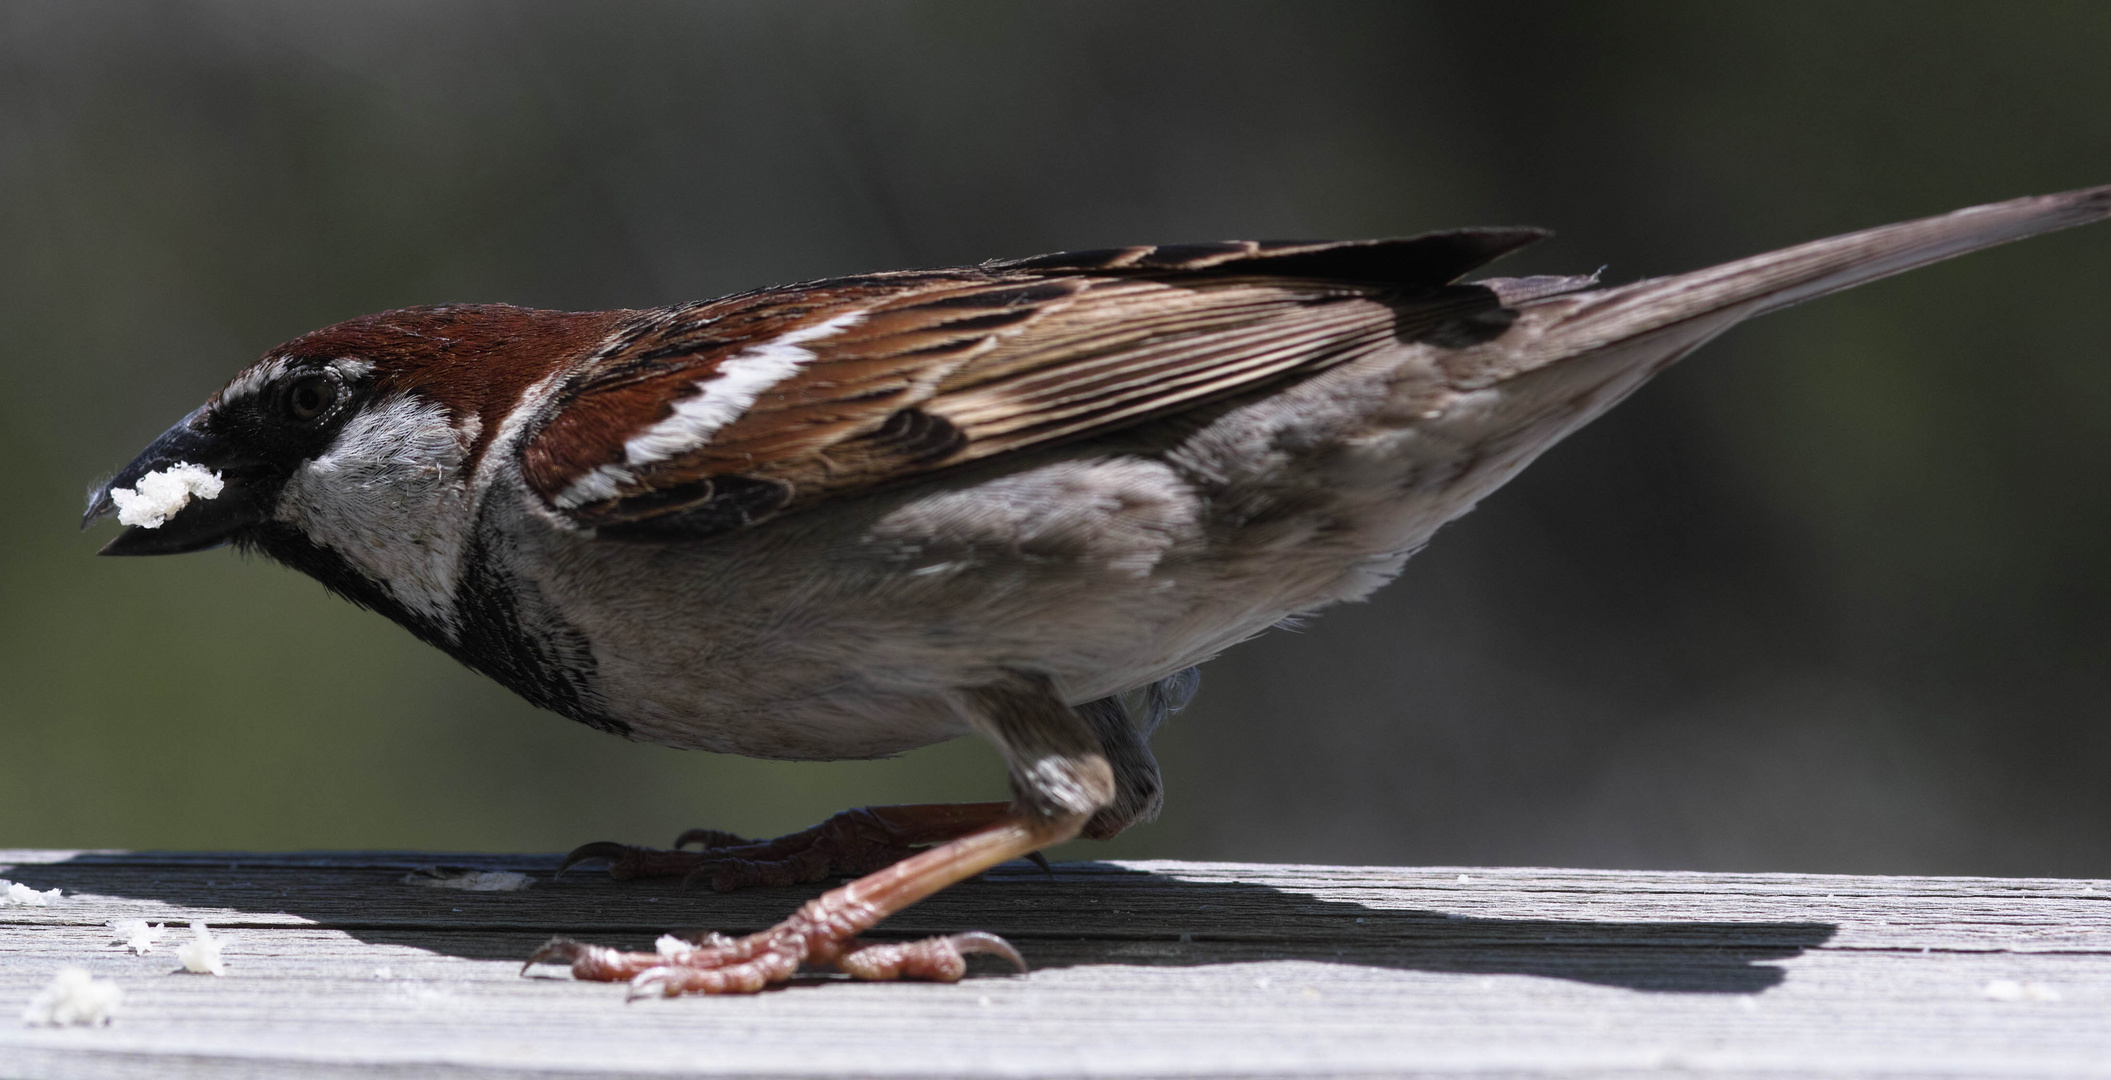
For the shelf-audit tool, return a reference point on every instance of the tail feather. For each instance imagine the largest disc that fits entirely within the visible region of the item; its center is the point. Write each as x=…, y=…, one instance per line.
x=1777, y=279
x=1571, y=354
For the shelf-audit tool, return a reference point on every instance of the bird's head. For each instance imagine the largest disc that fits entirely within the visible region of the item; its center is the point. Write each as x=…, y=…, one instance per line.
x=353, y=453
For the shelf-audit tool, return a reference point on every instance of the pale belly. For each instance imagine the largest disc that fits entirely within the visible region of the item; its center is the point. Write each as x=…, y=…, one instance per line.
x=801, y=648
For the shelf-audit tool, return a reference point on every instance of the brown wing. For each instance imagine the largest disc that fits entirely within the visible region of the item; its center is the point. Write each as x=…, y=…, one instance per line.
x=713, y=416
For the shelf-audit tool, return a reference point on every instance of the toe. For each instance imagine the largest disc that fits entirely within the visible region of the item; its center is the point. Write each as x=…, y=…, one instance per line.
x=938, y=959
x=712, y=838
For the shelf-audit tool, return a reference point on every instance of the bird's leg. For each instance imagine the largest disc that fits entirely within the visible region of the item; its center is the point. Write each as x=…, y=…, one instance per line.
x=1060, y=778
x=1123, y=738
x=856, y=841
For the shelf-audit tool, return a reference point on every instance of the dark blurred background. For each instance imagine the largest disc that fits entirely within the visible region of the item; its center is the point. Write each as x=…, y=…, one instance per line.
x=1835, y=595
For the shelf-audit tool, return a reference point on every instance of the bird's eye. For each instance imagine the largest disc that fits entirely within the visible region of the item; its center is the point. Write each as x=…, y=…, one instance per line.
x=311, y=397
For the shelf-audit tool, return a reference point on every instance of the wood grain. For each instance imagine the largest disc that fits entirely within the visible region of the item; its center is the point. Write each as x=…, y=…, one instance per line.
x=338, y=968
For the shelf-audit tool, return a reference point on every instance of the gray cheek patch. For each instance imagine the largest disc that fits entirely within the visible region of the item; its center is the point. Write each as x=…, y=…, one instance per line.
x=389, y=497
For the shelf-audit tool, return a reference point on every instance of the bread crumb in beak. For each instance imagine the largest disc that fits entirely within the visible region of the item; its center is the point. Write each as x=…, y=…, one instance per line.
x=163, y=492
x=74, y=997
x=201, y=954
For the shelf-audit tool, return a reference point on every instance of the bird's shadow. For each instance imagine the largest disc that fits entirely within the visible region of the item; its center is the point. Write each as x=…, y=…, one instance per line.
x=1082, y=913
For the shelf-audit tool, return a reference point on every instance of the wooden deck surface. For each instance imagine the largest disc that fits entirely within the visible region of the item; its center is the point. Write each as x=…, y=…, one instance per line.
x=336, y=967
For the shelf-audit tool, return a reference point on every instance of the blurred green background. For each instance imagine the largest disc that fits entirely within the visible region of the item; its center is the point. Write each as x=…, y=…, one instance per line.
x=1835, y=595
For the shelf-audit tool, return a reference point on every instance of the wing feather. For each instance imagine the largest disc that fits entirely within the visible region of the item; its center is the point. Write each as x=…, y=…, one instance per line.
x=895, y=376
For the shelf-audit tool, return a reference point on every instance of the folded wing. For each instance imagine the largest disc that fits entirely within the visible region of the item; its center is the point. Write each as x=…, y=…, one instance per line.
x=714, y=416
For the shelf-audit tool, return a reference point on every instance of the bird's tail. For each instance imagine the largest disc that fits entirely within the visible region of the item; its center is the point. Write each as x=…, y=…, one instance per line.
x=1720, y=296
x=1574, y=351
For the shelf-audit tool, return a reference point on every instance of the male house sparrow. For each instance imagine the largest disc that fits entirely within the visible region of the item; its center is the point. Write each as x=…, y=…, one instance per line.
x=856, y=516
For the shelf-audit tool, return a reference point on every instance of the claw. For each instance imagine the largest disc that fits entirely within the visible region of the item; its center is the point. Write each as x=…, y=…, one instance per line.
x=988, y=944
x=1041, y=861
x=650, y=982
x=558, y=950
x=704, y=872
x=599, y=849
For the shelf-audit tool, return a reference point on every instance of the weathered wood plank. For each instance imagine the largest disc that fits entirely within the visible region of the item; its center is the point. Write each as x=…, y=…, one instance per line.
x=337, y=968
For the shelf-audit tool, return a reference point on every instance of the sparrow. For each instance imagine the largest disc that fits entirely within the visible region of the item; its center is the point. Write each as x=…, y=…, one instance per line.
x=847, y=518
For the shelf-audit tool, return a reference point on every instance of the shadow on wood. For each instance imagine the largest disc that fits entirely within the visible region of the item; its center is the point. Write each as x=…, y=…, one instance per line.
x=1081, y=914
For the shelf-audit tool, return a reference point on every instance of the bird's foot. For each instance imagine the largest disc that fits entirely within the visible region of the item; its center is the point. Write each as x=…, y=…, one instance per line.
x=824, y=931
x=853, y=842
x=745, y=965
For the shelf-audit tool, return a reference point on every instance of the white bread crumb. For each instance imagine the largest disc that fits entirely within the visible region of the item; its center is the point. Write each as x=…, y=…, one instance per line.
x=201, y=954
x=672, y=948
x=2011, y=990
x=136, y=935
x=469, y=880
x=74, y=997
x=163, y=492
x=13, y=894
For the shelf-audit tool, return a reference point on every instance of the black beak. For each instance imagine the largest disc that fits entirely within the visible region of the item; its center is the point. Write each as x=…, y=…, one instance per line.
x=201, y=523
